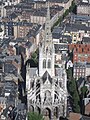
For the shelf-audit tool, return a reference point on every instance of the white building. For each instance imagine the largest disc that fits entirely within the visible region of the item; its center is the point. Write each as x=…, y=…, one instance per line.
x=47, y=87
x=11, y=2
x=69, y=64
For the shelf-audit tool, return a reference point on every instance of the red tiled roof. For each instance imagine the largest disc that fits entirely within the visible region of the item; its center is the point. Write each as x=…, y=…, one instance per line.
x=81, y=52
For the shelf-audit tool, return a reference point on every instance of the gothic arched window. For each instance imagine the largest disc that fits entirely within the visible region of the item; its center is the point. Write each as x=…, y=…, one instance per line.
x=49, y=63
x=47, y=95
x=44, y=63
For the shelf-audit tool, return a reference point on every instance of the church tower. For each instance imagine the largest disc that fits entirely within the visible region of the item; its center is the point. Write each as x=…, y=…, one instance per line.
x=46, y=50
x=46, y=91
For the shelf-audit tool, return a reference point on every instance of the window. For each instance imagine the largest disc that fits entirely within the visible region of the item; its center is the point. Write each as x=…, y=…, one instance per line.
x=74, y=70
x=49, y=63
x=79, y=35
x=74, y=35
x=44, y=63
x=60, y=84
x=82, y=50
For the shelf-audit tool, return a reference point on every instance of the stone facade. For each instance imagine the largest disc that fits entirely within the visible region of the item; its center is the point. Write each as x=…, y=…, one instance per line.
x=83, y=8
x=47, y=87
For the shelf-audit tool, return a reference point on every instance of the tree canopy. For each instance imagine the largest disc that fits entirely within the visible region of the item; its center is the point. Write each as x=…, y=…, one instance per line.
x=72, y=89
x=35, y=116
x=69, y=73
x=84, y=91
x=34, y=59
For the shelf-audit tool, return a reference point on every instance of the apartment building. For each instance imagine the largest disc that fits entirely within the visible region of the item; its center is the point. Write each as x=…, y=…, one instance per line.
x=39, y=15
x=81, y=60
x=64, y=3
x=84, y=8
x=77, y=31
x=81, y=52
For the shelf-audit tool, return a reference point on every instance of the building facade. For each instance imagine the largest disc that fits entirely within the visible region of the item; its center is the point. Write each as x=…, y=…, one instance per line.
x=47, y=87
x=81, y=52
x=84, y=8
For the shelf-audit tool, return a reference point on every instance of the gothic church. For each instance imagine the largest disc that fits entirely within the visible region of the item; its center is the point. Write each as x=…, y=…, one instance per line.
x=47, y=87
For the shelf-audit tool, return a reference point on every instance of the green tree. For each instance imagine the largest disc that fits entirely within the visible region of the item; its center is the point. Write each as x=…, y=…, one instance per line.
x=76, y=102
x=72, y=88
x=35, y=116
x=66, y=13
x=35, y=57
x=84, y=91
x=69, y=73
x=72, y=7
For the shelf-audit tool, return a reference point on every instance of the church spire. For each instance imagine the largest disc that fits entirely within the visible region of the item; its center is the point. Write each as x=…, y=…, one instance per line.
x=48, y=14
x=46, y=51
x=48, y=34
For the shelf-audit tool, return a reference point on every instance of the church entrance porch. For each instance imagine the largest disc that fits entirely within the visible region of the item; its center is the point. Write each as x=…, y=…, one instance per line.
x=56, y=113
x=38, y=110
x=47, y=114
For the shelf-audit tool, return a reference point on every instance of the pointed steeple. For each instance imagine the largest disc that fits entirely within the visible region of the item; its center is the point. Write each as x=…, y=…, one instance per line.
x=46, y=51
x=48, y=15
x=48, y=34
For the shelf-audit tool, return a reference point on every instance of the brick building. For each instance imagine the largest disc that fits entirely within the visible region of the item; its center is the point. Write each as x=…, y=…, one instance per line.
x=81, y=59
x=81, y=52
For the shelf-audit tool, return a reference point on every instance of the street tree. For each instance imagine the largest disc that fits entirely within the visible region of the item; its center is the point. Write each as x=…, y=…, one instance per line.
x=35, y=116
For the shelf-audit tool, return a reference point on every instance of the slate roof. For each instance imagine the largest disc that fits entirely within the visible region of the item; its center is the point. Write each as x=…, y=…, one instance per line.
x=60, y=47
x=34, y=30
x=43, y=11
x=56, y=33
x=85, y=118
x=84, y=3
x=87, y=65
x=57, y=30
x=21, y=106
x=8, y=62
x=20, y=49
x=22, y=23
x=80, y=81
x=9, y=68
x=46, y=76
x=80, y=17
x=65, y=39
x=13, y=16
x=80, y=64
x=76, y=27
x=2, y=98
x=28, y=44
x=19, y=39
x=58, y=71
x=32, y=72
x=58, y=1
x=86, y=40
